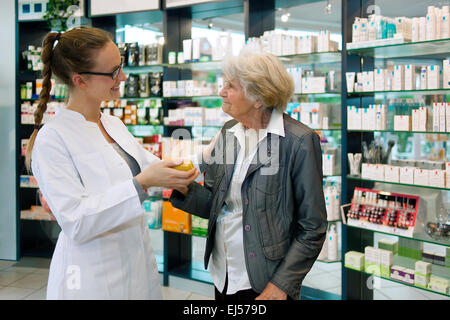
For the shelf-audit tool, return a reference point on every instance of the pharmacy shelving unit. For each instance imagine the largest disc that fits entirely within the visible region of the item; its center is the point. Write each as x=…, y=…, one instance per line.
x=355, y=283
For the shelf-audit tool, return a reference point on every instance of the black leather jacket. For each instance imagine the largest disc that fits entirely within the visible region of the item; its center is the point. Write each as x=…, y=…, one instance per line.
x=284, y=215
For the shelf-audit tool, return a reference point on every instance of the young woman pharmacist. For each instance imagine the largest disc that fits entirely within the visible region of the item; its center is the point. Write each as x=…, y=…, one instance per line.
x=93, y=173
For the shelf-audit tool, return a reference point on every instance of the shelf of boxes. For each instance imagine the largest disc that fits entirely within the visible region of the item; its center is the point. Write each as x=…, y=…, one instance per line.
x=408, y=267
x=412, y=62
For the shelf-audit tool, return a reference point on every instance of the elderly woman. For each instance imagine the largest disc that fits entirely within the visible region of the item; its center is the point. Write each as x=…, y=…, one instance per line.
x=263, y=187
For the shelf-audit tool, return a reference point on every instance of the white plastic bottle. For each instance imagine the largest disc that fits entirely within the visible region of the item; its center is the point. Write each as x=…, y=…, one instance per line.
x=422, y=29
x=356, y=30
x=332, y=244
x=438, y=18
x=328, y=206
x=445, y=23
x=415, y=30
x=431, y=24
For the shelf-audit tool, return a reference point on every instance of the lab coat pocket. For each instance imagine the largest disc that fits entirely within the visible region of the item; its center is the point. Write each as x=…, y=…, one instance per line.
x=92, y=171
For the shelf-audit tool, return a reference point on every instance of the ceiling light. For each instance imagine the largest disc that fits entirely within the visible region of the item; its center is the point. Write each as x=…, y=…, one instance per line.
x=327, y=9
x=285, y=17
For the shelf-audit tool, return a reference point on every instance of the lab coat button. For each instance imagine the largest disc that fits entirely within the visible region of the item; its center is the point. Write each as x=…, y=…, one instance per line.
x=247, y=227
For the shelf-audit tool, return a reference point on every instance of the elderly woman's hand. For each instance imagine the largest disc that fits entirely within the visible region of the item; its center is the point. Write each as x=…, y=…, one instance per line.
x=272, y=292
x=162, y=174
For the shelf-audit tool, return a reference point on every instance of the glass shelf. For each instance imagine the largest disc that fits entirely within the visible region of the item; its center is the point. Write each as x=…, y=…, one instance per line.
x=402, y=92
x=145, y=130
x=437, y=49
x=400, y=131
x=194, y=97
x=419, y=236
x=143, y=69
x=139, y=98
x=295, y=59
x=396, y=281
x=312, y=58
x=321, y=94
x=401, y=184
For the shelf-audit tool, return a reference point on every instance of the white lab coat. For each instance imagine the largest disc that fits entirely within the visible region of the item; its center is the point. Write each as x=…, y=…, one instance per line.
x=104, y=250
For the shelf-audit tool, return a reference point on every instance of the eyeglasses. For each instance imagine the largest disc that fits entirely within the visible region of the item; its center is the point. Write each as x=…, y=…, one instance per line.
x=113, y=74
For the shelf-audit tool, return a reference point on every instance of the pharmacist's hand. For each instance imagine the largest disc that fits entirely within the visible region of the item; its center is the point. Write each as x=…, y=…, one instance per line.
x=272, y=292
x=162, y=174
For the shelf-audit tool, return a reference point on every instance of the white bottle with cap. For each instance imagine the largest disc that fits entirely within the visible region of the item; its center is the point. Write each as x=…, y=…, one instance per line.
x=431, y=24
x=445, y=23
x=332, y=243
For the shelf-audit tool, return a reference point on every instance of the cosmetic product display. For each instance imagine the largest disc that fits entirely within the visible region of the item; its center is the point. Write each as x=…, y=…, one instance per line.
x=383, y=211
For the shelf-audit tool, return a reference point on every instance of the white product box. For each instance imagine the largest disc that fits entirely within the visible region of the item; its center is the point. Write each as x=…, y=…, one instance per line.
x=187, y=50
x=402, y=123
x=313, y=85
x=447, y=116
x=354, y=118
x=380, y=117
x=392, y=174
x=433, y=77
x=423, y=118
x=368, y=118
x=421, y=177
x=379, y=172
x=368, y=82
x=436, y=120
x=398, y=82
x=367, y=171
x=446, y=74
x=307, y=44
x=442, y=118
x=328, y=162
x=436, y=178
x=415, y=120
x=407, y=175
x=410, y=77
x=423, y=267
x=423, y=78
x=277, y=43
x=296, y=74
x=379, y=75
x=447, y=174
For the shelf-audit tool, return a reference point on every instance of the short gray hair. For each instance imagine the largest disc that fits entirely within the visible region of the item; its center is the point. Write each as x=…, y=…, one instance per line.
x=262, y=76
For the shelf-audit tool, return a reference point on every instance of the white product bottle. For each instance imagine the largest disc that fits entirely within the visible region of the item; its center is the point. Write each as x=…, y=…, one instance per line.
x=364, y=31
x=332, y=243
x=415, y=30
x=327, y=195
x=422, y=29
x=356, y=30
x=445, y=23
x=438, y=15
x=372, y=28
x=431, y=24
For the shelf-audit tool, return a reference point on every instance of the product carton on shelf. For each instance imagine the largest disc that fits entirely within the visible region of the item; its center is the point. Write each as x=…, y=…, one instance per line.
x=175, y=220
